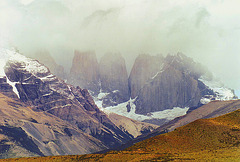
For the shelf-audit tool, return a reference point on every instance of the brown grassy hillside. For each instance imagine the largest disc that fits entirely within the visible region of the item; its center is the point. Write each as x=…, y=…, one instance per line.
x=215, y=139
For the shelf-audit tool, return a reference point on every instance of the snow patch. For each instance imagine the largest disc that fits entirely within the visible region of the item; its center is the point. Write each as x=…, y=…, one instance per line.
x=159, y=72
x=101, y=95
x=32, y=66
x=156, y=75
x=205, y=100
x=13, y=84
x=121, y=109
x=115, y=91
x=222, y=93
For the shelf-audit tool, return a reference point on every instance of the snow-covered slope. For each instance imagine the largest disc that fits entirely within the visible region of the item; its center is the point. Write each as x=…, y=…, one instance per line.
x=121, y=109
x=221, y=92
x=5, y=55
x=31, y=66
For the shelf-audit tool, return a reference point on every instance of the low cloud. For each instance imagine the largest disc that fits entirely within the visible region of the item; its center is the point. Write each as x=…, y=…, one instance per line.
x=206, y=30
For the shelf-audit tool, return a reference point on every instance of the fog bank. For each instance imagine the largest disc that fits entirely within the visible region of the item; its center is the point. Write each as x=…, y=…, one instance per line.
x=206, y=30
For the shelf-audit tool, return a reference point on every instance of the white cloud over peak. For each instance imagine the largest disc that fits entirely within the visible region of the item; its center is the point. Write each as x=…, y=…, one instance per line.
x=207, y=30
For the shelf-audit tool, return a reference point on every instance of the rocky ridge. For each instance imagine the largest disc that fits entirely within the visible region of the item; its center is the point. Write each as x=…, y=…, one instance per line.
x=70, y=108
x=45, y=92
x=108, y=77
x=24, y=132
x=160, y=85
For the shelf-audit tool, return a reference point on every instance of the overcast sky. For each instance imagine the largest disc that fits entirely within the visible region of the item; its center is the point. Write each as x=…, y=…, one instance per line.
x=207, y=30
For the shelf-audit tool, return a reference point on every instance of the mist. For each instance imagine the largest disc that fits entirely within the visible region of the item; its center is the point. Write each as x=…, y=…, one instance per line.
x=206, y=30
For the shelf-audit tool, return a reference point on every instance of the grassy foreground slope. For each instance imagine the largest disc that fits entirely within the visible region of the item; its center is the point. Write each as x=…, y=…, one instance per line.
x=215, y=139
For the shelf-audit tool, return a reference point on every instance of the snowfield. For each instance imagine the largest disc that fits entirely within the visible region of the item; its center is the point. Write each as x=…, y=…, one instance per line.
x=222, y=93
x=121, y=109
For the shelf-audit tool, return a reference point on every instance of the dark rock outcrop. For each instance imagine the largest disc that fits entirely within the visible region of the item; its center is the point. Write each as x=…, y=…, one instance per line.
x=114, y=79
x=6, y=89
x=84, y=71
x=45, y=92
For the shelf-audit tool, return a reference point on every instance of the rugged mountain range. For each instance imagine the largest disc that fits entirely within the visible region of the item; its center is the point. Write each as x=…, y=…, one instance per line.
x=71, y=110
x=214, y=139
x=175, y=84
x=25, y=132
x=106, y=80
x=114, y=79
x=157, y=85
x=52, y=117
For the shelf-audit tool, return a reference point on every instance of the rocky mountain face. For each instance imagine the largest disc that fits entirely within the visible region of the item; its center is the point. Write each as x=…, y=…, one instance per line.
x=106, y=80
x=175, y=85
x=6, y=88
x=85, y=71
x=25, y=132
x=163, y=88
x=41, y=115
x=144, y=68
x=44, y=92
x=114, y=79
x=215, y=139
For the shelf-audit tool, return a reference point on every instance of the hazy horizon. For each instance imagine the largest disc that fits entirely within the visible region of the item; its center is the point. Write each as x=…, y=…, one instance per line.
x=206, y=30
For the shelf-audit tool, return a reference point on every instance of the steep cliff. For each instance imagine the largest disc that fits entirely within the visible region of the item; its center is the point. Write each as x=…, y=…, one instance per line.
x=163, y=88
x=114, y=79
x=44, y=92
x=85, y=71
x=177, y=84
x=6, y=88
x=24, y=132
x=144, y=68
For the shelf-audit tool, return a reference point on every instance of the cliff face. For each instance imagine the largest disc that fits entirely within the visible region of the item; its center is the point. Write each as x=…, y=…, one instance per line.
x=114, y=79
x=44, y=92
x=175, y=85
x=84, y=71
x=24, y=133
x=144, y=68
x=6, y=88
x=171, y=88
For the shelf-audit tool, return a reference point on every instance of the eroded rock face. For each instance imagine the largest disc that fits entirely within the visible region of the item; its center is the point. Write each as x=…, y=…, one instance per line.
x=175, y=85
x=84, y=71
x=24, y=133
x=144, y=68
x=114, y=79
x=45, y=92
x=6, y=88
